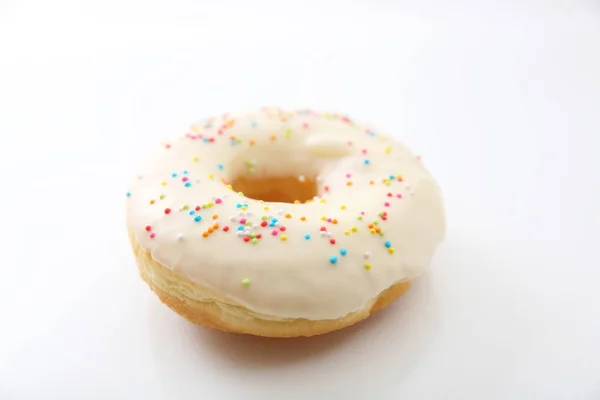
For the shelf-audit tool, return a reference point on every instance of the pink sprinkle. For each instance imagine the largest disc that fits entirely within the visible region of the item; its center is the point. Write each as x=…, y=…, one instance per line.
x=242, y=220
x=362, y=213
x=349, y=143
x=152, y=235
x=218, y=201
x=274, y=232
x=328, y=219
x=305, y=125
x=168, y=146
x=399, y=196
x=348, y=175
x=387, y=204
x=364, y=151
x=185, y=179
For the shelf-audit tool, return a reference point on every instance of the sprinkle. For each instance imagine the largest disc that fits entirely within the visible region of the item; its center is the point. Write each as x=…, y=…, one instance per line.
x=185, y=171
x=391, y=250
x=354, y=229
x=151, y=201
x=367, y=255
x=148, y=228
x=188, y=184
x=274, y=232
x=387, y=204
x=388, y=149
x=161, y=197
x=163, y=183
x=197, y=218
x=367, y=266
x=366, y=161
x=167, y=211
x=246, y=282
x=195, y=159
x=343, y=207
x=192, y=212
x=333, y=259
x=220, y=166
x=225, y=228
x=152, y=235
x=180, y=237
x=332, y=241
x=302, y=218
x=283, y=238
x=307, y=236
x=399, y=195
x=174, y=174
x=128, y=194
x=388, y=244
x=254, y=240
x=343, y=252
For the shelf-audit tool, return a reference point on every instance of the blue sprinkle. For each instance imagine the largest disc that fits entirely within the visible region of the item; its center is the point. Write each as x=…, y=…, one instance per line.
x=333, y=259
x=274, y=220
x=392, y=176
x=174, y=175
x=206, y=140
x=272, y=224
x=197, y=218
x=240, y=227
x=185, y=171
x=343, y=252
x=238, y=205
x=233, y=142
x=253, y=124
x=188, y=184
x=388, y=244
x=367, y=162
x=192, y=212
x=220, y=166
x=307, y=236
x=128, y=194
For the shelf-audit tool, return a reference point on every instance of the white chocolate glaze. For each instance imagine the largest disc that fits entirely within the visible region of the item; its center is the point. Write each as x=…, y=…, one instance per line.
x=326, y=261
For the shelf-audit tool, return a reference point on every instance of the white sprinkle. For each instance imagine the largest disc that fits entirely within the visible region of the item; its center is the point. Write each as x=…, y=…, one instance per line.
x=240, y=233
x=180, y=237
x=255, y=226
x=367, y=254
x=248, y=214
x=197, y=180
x=412, y=192
x=139, y=176
x=301, y=178
x=323, y=233
x=233, y=218
x=280, y=212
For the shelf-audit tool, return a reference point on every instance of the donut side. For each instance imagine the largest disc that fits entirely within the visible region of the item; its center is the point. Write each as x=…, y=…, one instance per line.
x=204, y=307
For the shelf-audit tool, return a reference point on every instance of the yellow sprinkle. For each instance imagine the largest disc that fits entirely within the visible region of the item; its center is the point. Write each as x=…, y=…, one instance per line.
x=388, y=149
x=288, y=133
x=343, y=207
x=241, y=193
x=211, y=204
x=354, y=229
x=210, y=176
x=185, y=207
x=346, y=233
x=266, y=208
x=163, y=183
x=195, y=159
x=372, y=230
x=323, y=201
x=228, y=187
x=398, y=176
x=323, y=218
x=284, y=237
x=391, y=250
x=368, y=266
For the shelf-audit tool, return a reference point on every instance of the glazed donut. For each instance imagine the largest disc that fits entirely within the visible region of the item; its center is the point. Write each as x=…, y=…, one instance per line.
x=282, y=223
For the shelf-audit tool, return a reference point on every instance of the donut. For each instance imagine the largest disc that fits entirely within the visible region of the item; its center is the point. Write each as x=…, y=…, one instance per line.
x=282, y=223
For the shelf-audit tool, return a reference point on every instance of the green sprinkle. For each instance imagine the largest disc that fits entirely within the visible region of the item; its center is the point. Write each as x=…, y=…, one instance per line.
x=246, y=282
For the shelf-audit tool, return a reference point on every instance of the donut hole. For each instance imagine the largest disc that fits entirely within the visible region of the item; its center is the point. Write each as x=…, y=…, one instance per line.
x=276, y=189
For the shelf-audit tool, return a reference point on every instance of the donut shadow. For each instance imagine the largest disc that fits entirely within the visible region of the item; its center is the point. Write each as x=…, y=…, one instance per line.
x=397, y=323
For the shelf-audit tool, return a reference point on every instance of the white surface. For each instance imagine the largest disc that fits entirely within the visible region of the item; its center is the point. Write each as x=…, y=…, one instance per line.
x=502, y=103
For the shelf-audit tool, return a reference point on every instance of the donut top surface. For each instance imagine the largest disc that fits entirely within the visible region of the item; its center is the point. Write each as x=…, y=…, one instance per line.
x=375, y=219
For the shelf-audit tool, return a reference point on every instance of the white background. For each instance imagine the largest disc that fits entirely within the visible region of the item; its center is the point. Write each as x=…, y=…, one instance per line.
x=502, y=101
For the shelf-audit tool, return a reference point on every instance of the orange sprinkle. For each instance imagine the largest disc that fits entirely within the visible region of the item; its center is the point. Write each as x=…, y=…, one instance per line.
x=215, y=216
x=211, y=229
x=302, y=218
x=205, y=234
x=348, y=183
x=370, y=226
x=296, y=201
x=251, y=142
x=372, y=182
x=334, y=221
x=288, y=215
x=216, y=226
x=151, y=201
x=273, y=137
